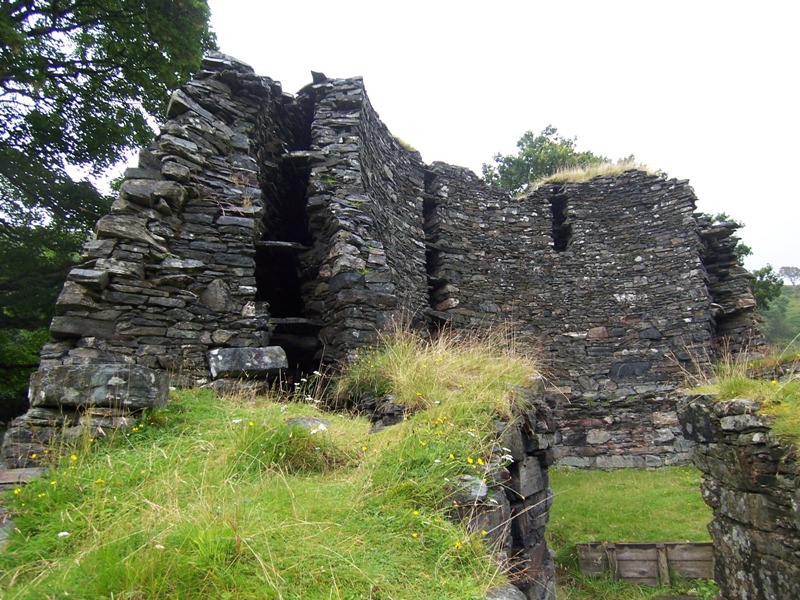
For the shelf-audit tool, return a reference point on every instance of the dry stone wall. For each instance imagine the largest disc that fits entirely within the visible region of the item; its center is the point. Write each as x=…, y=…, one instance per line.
x=751, y=480
x=610, y=277
x=261, y=219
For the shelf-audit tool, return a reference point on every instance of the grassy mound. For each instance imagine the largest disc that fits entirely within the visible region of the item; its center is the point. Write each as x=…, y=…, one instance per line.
x=254, y=498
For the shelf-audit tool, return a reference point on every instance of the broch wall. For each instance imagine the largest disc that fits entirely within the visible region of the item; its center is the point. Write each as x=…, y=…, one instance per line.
x=751, y=480
x=260, y=219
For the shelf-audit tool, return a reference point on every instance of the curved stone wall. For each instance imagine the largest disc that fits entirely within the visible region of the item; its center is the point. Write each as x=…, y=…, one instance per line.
x=259, y=218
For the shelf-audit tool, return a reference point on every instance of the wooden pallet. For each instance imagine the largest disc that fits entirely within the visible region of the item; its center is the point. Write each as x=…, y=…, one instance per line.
x=648, y=564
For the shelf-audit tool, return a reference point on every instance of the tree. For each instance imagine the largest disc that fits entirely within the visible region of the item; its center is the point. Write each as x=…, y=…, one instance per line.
x=766, y=286
x=790, y=273
x=78, y=81
x=538, y=157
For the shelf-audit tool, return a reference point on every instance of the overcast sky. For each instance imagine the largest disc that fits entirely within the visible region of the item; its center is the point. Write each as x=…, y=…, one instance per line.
x=704, y=90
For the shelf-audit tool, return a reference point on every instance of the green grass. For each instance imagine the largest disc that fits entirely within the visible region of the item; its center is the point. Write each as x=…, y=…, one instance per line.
x=622, y=506
x=781, y=399
x=740, y=378
x=224, y=499
x=212, y=498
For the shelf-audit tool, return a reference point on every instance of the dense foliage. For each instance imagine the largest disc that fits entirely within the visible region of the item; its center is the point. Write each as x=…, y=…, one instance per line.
x=766, y=286
x=539, y=156
x=78, y=81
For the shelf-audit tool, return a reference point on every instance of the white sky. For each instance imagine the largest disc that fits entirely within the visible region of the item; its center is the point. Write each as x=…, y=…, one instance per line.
x=705, y=90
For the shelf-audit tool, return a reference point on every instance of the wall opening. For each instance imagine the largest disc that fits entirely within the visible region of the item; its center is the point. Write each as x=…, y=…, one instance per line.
x=287, y=237
x=562, y=229
x=437, y=285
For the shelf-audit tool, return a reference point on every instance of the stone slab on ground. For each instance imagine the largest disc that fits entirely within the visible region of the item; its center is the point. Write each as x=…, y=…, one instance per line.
x=246, y=362
x=111, y=385
x=13, y=477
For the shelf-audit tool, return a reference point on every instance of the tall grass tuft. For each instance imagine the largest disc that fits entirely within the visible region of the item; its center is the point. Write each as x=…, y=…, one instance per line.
x=779, y=395
x=590, y=171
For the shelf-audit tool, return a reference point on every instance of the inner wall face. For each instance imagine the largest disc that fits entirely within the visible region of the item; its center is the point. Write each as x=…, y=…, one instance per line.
x=258, y=218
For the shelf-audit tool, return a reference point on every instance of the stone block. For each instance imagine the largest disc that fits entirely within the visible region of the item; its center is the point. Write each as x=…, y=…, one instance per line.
x=526, y=477
x=246, y=362
x=68, y=326
x=128, y=227
x=102, y=385
x=93, y=279
x=74, y=296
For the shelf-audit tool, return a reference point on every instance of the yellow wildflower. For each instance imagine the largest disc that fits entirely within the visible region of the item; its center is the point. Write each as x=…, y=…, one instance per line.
x=470, y=461
x=73, y=457
x=17, y=491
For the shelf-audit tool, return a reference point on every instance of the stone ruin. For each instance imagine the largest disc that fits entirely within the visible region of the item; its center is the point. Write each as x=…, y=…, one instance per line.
x=263, y=230
x=751, y=480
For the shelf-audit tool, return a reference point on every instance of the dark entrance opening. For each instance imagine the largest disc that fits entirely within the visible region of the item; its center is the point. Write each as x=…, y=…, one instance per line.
x=280, y=265
x=562, y=229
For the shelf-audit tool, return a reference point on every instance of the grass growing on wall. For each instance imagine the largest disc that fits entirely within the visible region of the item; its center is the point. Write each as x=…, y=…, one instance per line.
x=733, y=378
x=221, y=499
x=213, y=498
x=582, y=174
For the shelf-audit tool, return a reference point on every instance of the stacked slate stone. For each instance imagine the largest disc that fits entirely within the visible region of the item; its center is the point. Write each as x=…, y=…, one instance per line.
x=612, y=306
x=473, y=241
x=365, y=214
x=258, y=217
x=617, y=310
x=734, y=307
x=512, y=503
x=171, y=271
x=751, y=480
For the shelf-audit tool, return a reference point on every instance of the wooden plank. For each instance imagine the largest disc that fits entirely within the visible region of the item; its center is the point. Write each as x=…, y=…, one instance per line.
x=648, y=563
x=698, y=551
x=637, y=568
x=648, y=581
x=663, y=566
x=693, y=570
x=627, y=552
